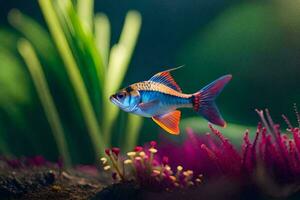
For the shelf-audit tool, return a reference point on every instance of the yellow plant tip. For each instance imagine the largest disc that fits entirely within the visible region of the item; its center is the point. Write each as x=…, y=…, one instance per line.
x=179, y=168
x=127, y=161
x=173, y=178
x=106, y=168
x=168, y=168
x=138, y=158
x=190, y=172
x=153, y=150
x=103, y=160
x=142, y=154
x=198, y=180
x=131, y=154
x=155, y=172
x=185, y=173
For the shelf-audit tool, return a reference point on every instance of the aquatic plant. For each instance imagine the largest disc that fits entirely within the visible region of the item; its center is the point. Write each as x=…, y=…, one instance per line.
x=147, y=169
x=74, y=70
x=270, y=161
x=25, y=162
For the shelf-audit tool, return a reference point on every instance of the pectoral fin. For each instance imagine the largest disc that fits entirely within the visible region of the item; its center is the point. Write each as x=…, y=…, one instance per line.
x=169, y=122
x=148, y=105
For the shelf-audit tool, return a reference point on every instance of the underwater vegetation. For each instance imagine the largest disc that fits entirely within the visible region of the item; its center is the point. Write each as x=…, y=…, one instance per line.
x=71, y=73
x=147, y=169
x=58, y=75
x=265, y=166
x=269, y=162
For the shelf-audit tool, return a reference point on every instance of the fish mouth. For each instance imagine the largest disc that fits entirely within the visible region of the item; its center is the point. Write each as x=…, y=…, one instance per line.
x=114, y=100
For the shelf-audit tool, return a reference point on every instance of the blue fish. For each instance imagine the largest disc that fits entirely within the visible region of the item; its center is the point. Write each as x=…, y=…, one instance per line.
x=160, y=98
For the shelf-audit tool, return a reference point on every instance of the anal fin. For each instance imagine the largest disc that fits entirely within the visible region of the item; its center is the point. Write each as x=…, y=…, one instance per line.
x=169, y=122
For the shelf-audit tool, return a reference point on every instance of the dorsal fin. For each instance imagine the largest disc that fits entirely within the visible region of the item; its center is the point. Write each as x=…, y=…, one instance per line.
x=165, y=78
x=169, y=122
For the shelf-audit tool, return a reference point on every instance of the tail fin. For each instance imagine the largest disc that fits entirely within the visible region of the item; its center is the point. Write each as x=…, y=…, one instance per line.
x=204, y=100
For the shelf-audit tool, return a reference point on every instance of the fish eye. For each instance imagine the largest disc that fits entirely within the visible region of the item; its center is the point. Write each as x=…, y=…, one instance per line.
x=120, y=96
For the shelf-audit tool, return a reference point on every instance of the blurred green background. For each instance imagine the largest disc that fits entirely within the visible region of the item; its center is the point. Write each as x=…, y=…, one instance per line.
x=258, y=42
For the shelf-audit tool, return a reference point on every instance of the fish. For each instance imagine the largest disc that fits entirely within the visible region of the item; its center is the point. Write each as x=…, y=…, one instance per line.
x=160, y=97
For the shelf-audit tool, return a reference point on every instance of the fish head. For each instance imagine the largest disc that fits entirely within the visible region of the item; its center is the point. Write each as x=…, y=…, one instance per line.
x=127, y=99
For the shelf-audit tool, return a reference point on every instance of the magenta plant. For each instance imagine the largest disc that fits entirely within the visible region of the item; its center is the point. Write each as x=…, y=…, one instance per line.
x=270, y=161
x=26, y=162
x=147, y=169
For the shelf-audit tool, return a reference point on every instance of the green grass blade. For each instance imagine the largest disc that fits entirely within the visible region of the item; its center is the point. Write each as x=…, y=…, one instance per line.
x=39, y=79
x=92, y=67
x=85, y=10
x=102, y=36
x=41, y=41
x=133, y=127
x=15, y=95
x=120, y=56
x=84, y=40
x=36, y=34
x=88, y=43
x=74, y=75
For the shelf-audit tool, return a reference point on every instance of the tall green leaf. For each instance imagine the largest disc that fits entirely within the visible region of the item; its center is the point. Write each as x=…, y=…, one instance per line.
x=74, y=75
x=37, y=74
x=102, y=36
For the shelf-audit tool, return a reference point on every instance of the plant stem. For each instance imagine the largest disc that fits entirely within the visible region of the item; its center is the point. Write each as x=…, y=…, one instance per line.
x=116, y=166
x=85, y=12
x=102, y=36
x=39, y=80
x=74, y=75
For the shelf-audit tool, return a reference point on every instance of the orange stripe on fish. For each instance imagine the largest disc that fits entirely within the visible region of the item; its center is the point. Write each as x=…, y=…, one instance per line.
x=159, y=87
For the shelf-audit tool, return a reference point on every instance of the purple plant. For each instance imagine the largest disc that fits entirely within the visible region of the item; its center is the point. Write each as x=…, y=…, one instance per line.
x=269, y=161
x=25, y=162
x=149, y=170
